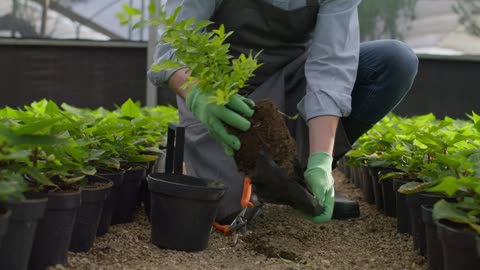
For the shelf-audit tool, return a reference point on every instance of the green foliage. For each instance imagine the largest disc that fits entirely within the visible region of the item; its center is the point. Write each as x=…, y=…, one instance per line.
x=442, y=155
x=54, y=147
x=205, y=53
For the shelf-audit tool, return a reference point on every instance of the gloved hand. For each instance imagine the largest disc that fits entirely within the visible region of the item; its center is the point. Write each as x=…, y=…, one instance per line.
x=319, y=177
x=215, y=116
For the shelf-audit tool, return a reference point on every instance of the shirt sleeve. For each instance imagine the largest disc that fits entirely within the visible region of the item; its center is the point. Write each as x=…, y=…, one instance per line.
x=331, y=67
x=200, y=9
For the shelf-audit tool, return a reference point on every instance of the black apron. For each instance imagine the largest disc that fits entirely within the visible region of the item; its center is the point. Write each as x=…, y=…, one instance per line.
x=284, y=36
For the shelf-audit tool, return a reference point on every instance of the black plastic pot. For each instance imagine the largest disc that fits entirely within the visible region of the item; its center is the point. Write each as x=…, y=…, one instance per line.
x=17, y=244
x=414, y=202
x=389, y=201
x=126, y=202
x=4, y=221
x=348, y=172
x=54, y=230
x=89, y=213
x=377, y=188
x=459, y=246
x=434, y=246
x=357, y=177
x=109, y=205
x=183, y=210
x=367, y=188
x=404, y=224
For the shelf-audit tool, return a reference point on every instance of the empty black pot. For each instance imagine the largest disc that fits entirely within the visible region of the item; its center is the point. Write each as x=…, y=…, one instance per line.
x=459, y=246
x=126, y=202
x=404, y=224
x=54, y=230
x=17, y=244
x=183, y=209
x=4, y=221
x=109, y=205
x=434, y=246
x=89, y=213
x=377, y=188
x=415, y=201
x=367, y=188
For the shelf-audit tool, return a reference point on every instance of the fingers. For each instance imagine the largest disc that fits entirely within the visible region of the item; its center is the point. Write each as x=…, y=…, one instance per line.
x=220, y=133
x=232, y=118
x=242, y=105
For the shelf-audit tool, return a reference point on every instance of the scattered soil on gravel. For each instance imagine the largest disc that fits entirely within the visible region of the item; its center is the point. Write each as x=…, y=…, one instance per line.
x=281, y=239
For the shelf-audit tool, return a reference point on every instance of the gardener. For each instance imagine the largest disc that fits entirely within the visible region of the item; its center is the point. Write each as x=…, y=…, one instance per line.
x=313, y=64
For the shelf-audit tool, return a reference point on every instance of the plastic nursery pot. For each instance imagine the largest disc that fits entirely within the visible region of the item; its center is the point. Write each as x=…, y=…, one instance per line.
x=54, y=230
x=348, y=172
x=356, y=176
x=414, y=202
x=4, y=221
x=404, y=224
x=109, y=205
x=434, y=247
x=367, y=187
x=377, y=188
x=389, y=203
x=17, y=243
x=458, y=245
x=126, y=202
x=93, y=196
x=183, y=210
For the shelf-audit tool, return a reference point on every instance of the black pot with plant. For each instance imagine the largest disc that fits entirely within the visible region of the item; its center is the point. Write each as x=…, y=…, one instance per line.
x=127, y=196
x=17, y=244
x=459, y=246
x=54, y=230
x=4, y=221
x=110, y=202
x=367, y=187
x=93, y=195
x=388, y=194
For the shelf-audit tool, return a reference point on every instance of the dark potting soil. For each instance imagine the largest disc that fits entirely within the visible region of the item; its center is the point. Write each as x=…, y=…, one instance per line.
x=268, y=133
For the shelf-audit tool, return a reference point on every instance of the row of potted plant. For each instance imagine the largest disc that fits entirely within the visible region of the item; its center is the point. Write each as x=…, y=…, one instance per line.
x=425, y=172
x=67, y=174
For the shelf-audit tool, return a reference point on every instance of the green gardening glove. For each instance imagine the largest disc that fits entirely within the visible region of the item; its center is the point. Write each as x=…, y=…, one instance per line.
x=214, y=116
x=319, y=177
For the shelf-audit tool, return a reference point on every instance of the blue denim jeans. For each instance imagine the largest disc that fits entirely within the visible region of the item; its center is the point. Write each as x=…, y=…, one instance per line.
x=386, y=71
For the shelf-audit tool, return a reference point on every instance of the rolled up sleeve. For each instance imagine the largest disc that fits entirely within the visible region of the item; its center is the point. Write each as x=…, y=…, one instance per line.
x=201, y=10
x=331, y=67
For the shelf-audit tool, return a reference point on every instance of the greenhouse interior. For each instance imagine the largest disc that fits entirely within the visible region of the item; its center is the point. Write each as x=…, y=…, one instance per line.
x=227, y=134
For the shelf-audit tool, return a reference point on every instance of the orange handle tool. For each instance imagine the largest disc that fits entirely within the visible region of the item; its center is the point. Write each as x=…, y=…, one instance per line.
x=225, y=229
x=247, y=193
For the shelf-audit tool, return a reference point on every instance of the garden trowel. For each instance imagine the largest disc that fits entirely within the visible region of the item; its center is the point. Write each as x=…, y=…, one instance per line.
x=272, y=184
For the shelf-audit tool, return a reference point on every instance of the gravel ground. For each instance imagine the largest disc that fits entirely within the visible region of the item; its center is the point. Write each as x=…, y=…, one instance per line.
x=281, y=239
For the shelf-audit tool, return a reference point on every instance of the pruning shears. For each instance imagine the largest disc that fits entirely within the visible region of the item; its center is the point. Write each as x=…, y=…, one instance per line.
x=239, y=224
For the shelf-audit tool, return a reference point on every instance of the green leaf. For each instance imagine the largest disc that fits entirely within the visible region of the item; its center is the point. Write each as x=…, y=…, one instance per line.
x=166, y=65
x=131, y=10
x=446, y=210
x=448, y=185
x=413, y=187
x=130, y=109
x=152, y=9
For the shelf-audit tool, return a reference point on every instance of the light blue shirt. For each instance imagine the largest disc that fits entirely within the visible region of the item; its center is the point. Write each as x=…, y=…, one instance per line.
x=331, y=67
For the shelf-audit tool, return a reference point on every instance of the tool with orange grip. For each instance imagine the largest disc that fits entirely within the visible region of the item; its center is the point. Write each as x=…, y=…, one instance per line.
x=239, y=224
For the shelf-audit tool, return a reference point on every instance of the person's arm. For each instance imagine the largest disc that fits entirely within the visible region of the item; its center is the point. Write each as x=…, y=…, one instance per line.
x=201, y=10
x=331, y=70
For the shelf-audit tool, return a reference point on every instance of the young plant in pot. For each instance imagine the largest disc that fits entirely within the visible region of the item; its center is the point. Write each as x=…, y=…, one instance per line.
x=136, y=138
x=458, y=224
x=95, y=188
x=55, y=168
